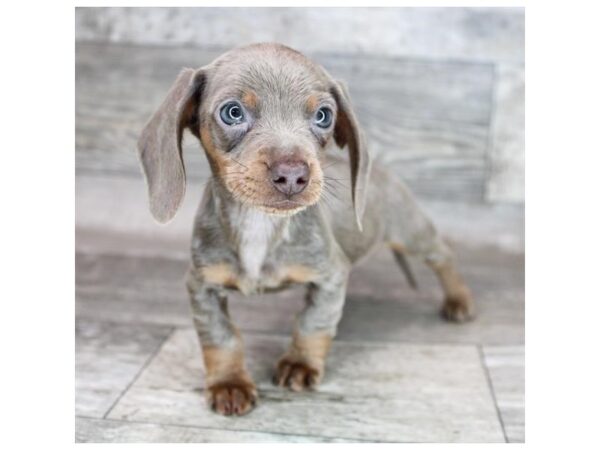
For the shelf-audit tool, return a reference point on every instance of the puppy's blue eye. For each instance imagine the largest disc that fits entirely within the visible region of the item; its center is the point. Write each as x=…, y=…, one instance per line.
x=232, y=113
x=323, y=117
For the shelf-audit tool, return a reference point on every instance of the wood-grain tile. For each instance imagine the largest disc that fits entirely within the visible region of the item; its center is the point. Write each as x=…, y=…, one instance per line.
x=107, y=359
x=507, y=154
x=115, y=431
x=485, y=34
x=506, y=366
x=400, y=393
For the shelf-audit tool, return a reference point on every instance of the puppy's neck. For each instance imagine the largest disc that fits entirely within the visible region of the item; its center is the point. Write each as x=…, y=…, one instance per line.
x=252, y=232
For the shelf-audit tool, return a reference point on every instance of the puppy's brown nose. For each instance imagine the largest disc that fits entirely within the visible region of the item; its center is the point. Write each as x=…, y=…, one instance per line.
x=290, y=177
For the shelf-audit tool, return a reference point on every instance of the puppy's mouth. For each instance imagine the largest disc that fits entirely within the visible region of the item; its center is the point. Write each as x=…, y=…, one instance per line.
x=285, y=207
x=267, y=199
x=283, y=188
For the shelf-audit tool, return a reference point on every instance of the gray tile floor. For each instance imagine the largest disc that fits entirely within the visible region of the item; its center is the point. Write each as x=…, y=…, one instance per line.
x=397, y=372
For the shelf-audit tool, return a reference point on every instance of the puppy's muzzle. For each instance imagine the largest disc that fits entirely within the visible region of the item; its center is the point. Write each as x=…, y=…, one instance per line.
x=290, y=177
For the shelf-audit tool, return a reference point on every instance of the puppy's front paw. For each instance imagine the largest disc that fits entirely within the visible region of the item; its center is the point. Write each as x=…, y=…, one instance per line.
x=296, y=374
x=458, y=309
x=232, y=397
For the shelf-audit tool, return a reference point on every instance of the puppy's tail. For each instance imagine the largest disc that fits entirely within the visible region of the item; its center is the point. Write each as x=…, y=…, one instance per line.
x=404, y=266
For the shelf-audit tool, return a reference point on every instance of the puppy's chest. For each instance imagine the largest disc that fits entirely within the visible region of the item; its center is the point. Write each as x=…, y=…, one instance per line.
x=251, y=274
x=266, y=257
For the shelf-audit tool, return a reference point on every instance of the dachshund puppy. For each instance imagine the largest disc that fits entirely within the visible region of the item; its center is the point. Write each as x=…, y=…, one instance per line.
x=270, y=121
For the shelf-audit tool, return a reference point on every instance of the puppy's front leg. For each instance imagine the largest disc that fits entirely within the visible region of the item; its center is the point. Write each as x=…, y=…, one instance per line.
x=229, y=388
x=303, y=365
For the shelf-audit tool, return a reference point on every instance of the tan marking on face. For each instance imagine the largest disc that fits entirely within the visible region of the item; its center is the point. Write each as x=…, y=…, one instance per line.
x=250, y=99
x=311, y=103
x=299, y=274
x=251, y=185
x=218, y=162
x=221, y=274
x=313, y=191
x=247, y=177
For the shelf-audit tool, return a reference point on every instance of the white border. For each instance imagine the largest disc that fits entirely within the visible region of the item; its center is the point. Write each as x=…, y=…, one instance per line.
x=563, y=228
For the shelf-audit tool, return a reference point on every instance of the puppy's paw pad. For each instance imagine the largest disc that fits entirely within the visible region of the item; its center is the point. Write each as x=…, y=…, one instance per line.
x=232, y=398
x=296, y=375
x=458, y=309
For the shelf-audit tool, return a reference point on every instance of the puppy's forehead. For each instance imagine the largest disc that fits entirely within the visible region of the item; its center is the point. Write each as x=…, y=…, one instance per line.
x=268, y=70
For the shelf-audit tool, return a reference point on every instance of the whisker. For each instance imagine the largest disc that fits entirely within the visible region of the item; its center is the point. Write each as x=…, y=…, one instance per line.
x=345, y=186
x=331, y=190
x=326, y=200
x=328, y=165
x=236, y=161
x=336, y=179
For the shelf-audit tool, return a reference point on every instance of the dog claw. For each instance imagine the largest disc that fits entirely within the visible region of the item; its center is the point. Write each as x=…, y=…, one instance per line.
x=232, y=397
x=296, y=375
x=458, y=310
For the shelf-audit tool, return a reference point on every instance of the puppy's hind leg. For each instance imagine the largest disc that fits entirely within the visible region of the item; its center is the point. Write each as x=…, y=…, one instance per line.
x=458, y=302
x=410, y=231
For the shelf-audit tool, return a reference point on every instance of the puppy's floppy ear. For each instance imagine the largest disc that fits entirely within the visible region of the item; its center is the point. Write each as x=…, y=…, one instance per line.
x=347, y=132
x=159, y=146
